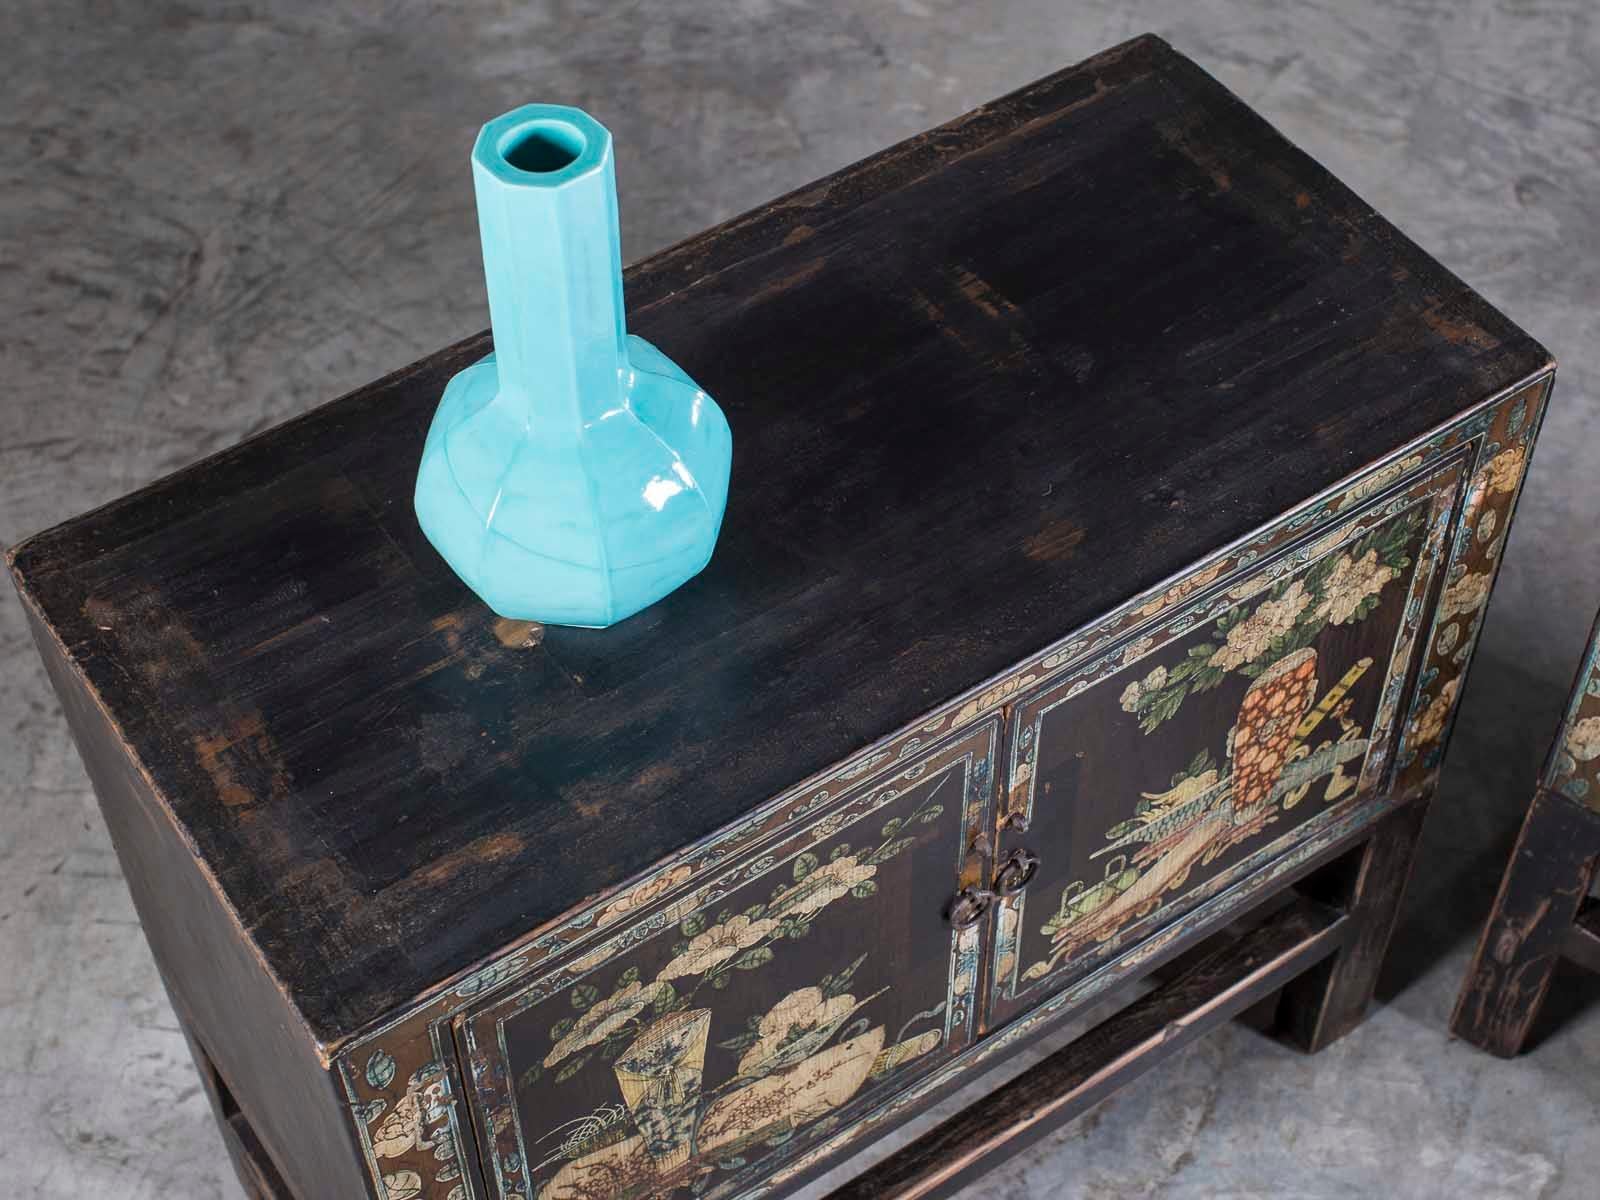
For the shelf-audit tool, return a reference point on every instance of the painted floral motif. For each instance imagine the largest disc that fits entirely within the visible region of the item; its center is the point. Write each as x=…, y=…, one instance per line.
x=798, y=1025
x=425, y=1102
x=1251, y=586
x=822, y=887
x=718, y=944
x=644, y=895
x=401, y=1130
x=898, y=1055
x=1184, y=587
x=781, y=1103
x=1137, y=649
x=419, y=1122
x=1293, y=733
x=1476, y=554
x=1332, y=540
x=1376, y=482
x=380, y=1069
x=1353, y=585
x=1466, y=595
x=490, y=977
x=1338, y=589
x=1430, y=723
x=1583, y=740
x=1135, y=691
x=1447, y=639
x=1505, y=470
x=604, y=1018
x=620, y=1168
x=988, y=699
x=1252, y=637
x=1574, y=765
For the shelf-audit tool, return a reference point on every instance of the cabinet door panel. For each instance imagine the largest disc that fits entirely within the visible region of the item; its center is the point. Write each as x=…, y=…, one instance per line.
x=717, y=1034
x=1172, y=765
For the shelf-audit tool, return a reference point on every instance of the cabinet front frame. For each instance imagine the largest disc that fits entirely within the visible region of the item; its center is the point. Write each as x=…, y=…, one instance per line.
x=380, y=1067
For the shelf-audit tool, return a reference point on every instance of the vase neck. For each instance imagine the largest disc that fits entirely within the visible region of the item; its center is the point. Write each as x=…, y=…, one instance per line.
x=547, y=216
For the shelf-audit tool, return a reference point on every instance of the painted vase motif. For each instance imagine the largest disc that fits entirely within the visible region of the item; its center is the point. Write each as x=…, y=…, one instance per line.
x=575, y=475
x=660, y=1079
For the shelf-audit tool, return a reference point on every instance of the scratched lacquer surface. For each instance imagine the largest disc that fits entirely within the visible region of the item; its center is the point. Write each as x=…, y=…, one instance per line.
x=1260, y=704
x=705, y=1042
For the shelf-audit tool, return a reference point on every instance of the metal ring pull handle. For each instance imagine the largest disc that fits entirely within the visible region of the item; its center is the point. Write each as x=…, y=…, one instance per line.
x=1016, y=872
x=969, y=906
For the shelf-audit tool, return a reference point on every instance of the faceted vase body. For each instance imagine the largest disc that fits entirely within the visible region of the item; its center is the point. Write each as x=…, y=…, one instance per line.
x=576, y=474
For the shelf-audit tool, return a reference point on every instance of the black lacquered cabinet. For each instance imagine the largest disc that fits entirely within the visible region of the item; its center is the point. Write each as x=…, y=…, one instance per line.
x=1116, y=501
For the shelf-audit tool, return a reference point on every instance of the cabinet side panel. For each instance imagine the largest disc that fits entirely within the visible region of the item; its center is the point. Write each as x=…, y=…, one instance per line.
x=1506, y=432
x=258, y=1043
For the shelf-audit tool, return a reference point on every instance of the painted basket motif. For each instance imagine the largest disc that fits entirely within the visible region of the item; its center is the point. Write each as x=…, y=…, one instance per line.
x=1164, y=775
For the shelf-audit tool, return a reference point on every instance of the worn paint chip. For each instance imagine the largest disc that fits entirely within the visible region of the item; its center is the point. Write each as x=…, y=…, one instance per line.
x=518, y=635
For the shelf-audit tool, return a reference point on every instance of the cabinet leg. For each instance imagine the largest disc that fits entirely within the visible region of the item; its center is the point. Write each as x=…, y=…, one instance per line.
x=1329, y=1000
x=257, y=1175
x=1543, y=887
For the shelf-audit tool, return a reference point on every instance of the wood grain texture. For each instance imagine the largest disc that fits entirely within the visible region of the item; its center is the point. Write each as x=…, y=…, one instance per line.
x=1116, y=283
x=1530, y=926
x=1217, y=987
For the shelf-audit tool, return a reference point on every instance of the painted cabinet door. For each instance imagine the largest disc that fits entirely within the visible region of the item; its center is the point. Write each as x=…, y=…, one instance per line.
x=706, y=1041
x=1249, y=713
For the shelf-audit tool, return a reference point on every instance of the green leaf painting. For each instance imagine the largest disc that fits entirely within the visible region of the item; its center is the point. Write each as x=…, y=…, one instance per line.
x=1343, y=587
x=380, y=1069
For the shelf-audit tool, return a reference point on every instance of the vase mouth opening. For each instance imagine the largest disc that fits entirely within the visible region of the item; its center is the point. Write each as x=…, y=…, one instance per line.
x=542, y=147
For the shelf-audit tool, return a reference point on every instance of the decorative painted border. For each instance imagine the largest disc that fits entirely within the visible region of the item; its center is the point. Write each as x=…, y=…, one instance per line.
x=1573, y=767
x=480, y=1031
x=1505, y=431
x=378, y=1063
x=417, y=1124
x=1438, y=489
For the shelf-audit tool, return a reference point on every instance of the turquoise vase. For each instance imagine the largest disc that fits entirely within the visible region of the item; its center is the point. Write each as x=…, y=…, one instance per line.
x=576, y=474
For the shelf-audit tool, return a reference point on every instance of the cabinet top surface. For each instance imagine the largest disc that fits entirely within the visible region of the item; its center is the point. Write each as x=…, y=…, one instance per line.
x=1064, y=346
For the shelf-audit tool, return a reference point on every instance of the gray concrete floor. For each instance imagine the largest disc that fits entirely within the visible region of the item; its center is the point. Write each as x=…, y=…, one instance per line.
x=217, y=215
